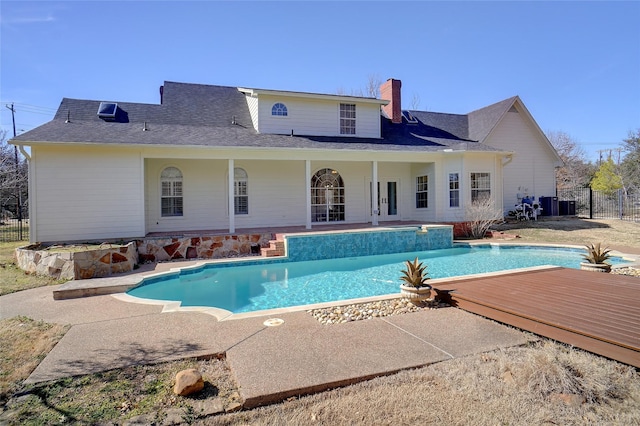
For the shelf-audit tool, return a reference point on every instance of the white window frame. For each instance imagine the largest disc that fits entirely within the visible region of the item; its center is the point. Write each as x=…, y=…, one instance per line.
x=240, y=191
x=171, y=192
x=480, y=184
x=422, y=192
x=279, y=110
x=454, y=188
x=347, y=119
x=328, y=202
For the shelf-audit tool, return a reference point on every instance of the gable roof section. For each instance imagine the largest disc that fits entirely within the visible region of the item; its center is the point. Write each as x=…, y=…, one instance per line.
x=482, y=122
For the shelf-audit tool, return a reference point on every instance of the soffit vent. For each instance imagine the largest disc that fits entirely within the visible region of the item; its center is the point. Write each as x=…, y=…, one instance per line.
x=409, y=117
x=107, y=110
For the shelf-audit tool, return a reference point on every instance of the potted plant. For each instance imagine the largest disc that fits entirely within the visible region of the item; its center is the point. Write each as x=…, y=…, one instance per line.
x=414, y=286
x=596, y=258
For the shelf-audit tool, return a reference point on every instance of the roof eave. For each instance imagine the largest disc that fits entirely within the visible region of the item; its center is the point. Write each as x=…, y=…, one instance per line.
x=359, y=99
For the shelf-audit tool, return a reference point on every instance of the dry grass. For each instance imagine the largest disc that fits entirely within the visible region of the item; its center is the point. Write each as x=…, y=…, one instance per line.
x=15, y=279
x=517, y=386
x=614, y=233
x=143, y=393
x=25, y=343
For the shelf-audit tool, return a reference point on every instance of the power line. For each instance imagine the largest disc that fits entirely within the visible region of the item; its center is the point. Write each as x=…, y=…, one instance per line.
x=30, y=106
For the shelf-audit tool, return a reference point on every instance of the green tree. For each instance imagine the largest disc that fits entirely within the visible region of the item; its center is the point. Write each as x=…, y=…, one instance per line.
x=607, y=178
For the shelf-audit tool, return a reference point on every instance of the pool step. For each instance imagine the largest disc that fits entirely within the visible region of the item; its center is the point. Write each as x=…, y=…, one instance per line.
x=276, y=248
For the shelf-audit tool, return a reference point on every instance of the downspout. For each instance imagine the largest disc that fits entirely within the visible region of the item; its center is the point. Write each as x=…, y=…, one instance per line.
x=23, y=152
x=32, y=222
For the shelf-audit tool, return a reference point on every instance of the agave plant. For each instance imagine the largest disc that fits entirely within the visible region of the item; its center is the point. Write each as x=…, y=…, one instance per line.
x=415, y=274
x=596, y=254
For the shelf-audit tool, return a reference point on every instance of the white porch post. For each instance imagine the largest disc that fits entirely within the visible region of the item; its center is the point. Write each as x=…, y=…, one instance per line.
x=307, y=184
x=231, y=208
x=374, y=193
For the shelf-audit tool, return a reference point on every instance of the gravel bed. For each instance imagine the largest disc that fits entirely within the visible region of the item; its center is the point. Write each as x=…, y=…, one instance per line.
x=362, y=311
x=398, y=306
x=634, y=272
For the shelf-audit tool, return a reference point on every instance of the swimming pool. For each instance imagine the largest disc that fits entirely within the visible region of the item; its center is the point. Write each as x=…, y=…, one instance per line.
x=269, y=285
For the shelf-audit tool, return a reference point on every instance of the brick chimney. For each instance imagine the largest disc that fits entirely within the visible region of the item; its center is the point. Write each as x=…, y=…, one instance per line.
x=390, y=91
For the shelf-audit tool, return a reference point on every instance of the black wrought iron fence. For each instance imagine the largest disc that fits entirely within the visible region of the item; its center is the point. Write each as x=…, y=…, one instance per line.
x=14, y=230
x=600, y=205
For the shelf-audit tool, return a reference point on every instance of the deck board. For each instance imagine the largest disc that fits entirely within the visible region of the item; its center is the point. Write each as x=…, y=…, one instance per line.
x=594, y=311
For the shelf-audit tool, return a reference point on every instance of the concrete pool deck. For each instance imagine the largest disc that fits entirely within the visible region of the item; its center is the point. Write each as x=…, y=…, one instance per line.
x=300, y=356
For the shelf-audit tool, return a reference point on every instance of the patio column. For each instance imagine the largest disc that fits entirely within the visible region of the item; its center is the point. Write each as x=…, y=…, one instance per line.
x=307, y=184
x=374, y=193
x=231, y=203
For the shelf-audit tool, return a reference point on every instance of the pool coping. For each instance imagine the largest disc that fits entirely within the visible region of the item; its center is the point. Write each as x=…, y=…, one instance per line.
x=118, y=286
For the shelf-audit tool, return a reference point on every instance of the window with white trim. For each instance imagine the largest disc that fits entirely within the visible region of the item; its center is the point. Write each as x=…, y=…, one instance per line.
x=279, y=109
x=480, y=186
x=422, y=192
x=327, y=196
x=454, y=190
x=347, y=119
x=171, y=192
x=240, y=191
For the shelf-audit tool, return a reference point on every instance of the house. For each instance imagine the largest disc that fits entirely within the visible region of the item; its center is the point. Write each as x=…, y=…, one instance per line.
x=225, y=158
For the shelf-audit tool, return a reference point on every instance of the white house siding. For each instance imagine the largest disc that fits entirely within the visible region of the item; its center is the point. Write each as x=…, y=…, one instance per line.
x=252, y=103
x=204, y=195
x=532, y=171
x=315, y=117
x=429, y=214
x=277, y=193
x=86, y=194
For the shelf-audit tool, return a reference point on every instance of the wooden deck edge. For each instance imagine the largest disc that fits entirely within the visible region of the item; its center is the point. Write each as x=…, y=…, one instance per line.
x=588, y=343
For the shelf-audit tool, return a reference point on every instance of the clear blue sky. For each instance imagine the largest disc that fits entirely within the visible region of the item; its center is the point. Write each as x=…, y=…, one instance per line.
x=576, y=65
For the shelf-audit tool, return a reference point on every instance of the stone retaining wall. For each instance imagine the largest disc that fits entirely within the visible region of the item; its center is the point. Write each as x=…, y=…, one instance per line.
x=203, y=247
x=103, y=261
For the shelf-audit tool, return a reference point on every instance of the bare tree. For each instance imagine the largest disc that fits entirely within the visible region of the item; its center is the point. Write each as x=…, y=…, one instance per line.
x=13, y=180
x=630, y=165
x=372, y=89
x=415, y=102
x=576, y=169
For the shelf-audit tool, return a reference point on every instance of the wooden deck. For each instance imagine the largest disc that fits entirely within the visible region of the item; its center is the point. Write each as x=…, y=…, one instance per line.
x=594, y=311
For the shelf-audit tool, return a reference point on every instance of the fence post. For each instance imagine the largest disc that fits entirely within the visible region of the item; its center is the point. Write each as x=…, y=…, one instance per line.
x=620, y=204
x=590, y=203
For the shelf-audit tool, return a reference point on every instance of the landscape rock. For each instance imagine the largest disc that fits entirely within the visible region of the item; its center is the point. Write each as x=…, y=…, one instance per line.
x=188, y=382
x=234, y=406
x=569, y=399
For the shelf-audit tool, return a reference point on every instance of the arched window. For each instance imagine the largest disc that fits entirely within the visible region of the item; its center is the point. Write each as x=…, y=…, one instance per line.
x=279, y=109
x=240, y=191
x=171, y=196
x=327, y=196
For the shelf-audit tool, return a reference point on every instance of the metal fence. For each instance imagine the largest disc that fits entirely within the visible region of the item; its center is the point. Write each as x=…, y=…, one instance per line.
x=14, y=230
x=599, y=205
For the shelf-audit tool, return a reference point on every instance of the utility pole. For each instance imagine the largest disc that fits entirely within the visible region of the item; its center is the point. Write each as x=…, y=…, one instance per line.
x=15, y=151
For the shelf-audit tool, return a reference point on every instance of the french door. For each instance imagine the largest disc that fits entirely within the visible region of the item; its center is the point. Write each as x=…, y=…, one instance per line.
x=387, y=199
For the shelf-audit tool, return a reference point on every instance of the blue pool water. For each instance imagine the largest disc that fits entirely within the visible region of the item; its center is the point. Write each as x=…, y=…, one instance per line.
x=276, y=284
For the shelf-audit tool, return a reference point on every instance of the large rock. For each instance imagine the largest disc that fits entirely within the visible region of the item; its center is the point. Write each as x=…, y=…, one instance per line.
x=188, y=382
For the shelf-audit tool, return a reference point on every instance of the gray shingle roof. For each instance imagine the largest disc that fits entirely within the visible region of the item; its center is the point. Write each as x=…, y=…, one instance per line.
x=201, y=115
